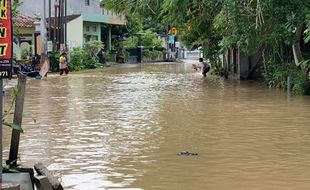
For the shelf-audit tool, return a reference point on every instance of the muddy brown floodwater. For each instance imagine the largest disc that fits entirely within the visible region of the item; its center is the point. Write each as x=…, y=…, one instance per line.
x=123, y=128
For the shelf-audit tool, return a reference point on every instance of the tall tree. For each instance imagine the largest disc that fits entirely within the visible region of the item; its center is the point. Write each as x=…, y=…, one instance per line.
x=252, y=25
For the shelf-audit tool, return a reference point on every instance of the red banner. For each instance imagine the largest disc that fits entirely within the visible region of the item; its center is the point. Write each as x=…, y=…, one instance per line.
x=6, y=48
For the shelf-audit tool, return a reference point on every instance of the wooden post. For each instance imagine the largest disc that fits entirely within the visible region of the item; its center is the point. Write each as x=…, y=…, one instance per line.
x=1, y=111
x=55, y=33
x=66, y=25
x=18, y=115
x=49, y=20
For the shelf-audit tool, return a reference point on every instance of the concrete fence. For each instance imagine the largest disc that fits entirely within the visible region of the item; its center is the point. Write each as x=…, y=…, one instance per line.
x=185, y=54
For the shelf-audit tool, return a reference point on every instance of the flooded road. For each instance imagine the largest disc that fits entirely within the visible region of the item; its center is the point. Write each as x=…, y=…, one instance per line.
x=123, y=128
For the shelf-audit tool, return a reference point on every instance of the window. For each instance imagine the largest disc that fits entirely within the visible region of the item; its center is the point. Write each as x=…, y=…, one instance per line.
x=95, y=38
x=94, y=29
x=87, y=2
x=87, y=28
x=88, y=38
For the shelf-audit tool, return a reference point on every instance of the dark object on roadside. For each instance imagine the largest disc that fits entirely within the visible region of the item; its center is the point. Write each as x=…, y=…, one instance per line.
x=186, y=153
x=15, y=67
x=224, y=74
x=42, y=170
x=36, y=59
x=28, y=70
x=101, y=57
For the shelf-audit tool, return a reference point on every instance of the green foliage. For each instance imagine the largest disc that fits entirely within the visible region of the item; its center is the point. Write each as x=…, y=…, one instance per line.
x=307, y=31
x=77, y=59
x=148, y=39
x=86, y=57
x=152, y=54
x=91, y=50
x=25, y=54
x=15, y=8
x=276, y=74
x=267, y=27
x=132, y=43
x=134, y=24
x=8, y=112
x=54, y=58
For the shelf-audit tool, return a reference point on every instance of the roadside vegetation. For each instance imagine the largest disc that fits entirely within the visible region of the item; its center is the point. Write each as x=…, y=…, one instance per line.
x=279, y=31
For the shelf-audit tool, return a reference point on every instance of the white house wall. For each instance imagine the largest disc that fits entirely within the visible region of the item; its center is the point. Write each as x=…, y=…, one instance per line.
x=75, y=33
x=34, y=7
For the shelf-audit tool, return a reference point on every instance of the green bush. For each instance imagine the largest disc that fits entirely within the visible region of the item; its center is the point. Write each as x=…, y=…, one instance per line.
x=152, y=54
x=276, y=74
x=132, y=43
x=148, y=39
x=25, y=53
x=147, y=53
x=54, y=58
x=86, y=57
x=77, y=58
x=91, y=48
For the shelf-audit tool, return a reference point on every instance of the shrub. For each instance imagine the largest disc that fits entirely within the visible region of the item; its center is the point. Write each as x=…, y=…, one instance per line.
x=152, y=54
x=132, y=43
x=25, y=53
x=86, y=57
x=54, y=58
x=148, y=39
x=276, y=74
x=147, y=53
x=77, y=58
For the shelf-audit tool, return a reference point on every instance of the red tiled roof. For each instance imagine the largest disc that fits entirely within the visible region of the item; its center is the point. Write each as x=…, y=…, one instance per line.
x=24, y=21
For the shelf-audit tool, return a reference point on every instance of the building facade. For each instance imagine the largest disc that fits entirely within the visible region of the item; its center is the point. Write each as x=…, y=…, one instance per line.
x=86, y=20
x=24, y=36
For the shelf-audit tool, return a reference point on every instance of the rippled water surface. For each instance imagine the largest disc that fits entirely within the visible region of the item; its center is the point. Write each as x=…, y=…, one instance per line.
x=123, y=128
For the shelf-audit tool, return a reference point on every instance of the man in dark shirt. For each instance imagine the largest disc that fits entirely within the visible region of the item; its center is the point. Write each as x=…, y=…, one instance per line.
x=101, y=57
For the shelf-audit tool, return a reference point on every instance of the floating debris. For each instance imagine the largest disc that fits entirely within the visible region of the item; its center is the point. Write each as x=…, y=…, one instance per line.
x=186, y=153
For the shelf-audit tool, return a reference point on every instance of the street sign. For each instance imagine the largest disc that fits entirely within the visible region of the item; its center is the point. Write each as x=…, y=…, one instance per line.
x=6, y=38
x=174, y=31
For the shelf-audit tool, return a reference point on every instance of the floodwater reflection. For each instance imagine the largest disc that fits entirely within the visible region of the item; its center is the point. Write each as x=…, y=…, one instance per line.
x=122, y=129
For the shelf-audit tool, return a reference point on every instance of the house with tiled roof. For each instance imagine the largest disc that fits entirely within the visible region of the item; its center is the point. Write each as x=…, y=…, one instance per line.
x=24, y=38
x=86, y=20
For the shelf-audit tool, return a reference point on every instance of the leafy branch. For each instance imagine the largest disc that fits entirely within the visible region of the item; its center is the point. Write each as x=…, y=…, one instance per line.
x=10, y=112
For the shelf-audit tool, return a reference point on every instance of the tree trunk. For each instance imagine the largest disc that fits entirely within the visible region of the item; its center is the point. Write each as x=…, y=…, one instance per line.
x=296, y=47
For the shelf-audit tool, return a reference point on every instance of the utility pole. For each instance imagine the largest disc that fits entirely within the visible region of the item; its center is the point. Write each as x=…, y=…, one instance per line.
x=1, y=124
x=56, y=6
x=43, y=34
x=49, y=20
x=62, y=22
x=59, y=25
x=66, y=20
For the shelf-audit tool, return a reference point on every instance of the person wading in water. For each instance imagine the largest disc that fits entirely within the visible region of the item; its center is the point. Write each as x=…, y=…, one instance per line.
x=205, y=67
x=63, y=64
